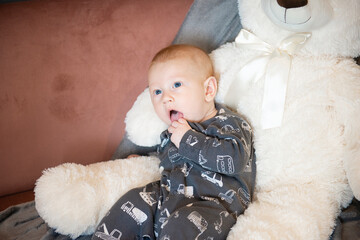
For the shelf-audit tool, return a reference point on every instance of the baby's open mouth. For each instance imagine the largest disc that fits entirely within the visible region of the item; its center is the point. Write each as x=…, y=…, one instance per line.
x=175, y=115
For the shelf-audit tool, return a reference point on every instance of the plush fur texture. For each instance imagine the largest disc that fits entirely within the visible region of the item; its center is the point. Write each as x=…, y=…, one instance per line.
x=305, y=166
x=73, y=198
x=135, y=121
x=307, y=169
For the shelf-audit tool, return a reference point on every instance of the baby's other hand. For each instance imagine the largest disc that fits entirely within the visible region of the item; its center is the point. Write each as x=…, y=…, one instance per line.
x=178, y=129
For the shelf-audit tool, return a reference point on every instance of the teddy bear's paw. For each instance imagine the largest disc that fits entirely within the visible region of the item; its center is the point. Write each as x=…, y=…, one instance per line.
x=63, y=197
x=73, y=198
x=288, y=212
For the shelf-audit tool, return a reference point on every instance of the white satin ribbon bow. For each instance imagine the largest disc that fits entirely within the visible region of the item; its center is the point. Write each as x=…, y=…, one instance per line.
x=274, y=65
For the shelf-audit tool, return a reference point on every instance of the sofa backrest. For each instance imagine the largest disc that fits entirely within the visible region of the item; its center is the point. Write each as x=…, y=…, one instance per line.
x=69, y=72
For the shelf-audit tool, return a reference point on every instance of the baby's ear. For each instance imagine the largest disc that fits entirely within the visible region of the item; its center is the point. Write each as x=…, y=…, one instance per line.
x=210, y=88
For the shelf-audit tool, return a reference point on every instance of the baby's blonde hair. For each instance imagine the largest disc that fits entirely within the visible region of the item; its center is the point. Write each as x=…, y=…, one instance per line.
x=195, y=54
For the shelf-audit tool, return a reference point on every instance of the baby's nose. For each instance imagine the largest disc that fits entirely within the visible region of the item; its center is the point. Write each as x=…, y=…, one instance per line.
x=167, y=98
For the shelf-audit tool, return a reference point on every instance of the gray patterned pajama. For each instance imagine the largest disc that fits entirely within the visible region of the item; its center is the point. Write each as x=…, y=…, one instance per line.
x=205, y=185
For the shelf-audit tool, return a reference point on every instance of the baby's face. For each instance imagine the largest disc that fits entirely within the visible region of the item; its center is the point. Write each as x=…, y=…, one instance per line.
x=177, y=90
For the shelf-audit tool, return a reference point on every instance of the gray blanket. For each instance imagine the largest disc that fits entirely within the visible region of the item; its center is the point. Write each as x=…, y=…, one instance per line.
x=23, y=222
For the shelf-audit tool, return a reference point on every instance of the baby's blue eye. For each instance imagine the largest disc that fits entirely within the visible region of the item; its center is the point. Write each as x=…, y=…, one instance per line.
x=177, y=84
x=157, y=92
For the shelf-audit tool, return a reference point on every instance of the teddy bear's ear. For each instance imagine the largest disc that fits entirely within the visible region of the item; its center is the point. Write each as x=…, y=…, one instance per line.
x=143, y=126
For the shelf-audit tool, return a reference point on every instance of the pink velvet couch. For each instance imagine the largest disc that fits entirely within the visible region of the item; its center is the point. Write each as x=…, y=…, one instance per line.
x=69, y=72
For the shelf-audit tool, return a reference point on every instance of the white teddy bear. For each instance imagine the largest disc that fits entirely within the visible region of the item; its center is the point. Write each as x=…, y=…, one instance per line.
x=291, y=72
x=304, y=108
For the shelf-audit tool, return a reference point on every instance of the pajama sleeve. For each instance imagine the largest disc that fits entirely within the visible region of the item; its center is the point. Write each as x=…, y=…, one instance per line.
x=225, y=147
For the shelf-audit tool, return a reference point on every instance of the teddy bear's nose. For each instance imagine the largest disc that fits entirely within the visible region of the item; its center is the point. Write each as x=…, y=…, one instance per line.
x=292, y=3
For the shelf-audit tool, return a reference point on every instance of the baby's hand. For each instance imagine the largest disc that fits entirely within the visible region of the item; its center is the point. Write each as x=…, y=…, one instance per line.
x=178, y=129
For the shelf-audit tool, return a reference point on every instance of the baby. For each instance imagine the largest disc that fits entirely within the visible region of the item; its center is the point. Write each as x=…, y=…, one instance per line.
x=207, y=159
